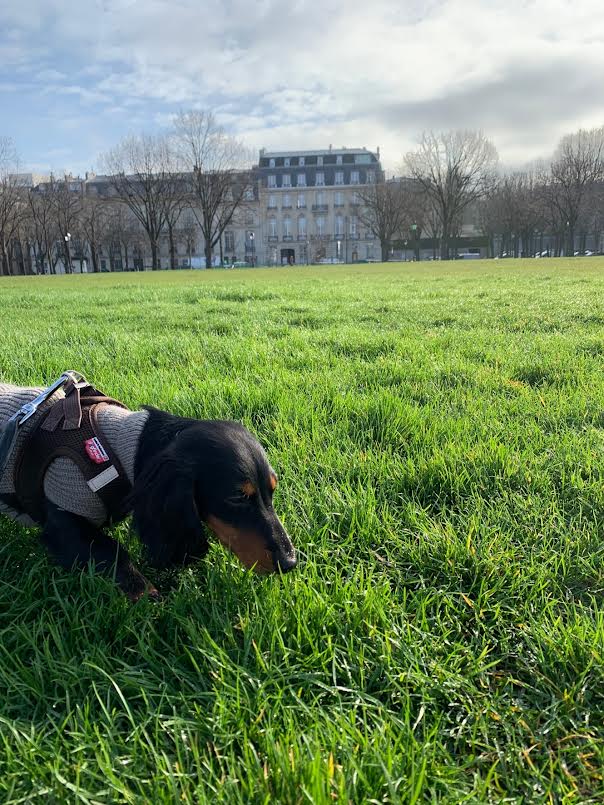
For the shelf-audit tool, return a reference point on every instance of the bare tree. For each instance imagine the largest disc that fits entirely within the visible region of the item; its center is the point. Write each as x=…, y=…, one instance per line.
x=66, y=206
x=386, y=210
x=44, y=231
x=94, y=222
x=219, y=179
x=12, y=203
x=177, y=200
x=455, y=169
x=577, y=164
x=141, y=171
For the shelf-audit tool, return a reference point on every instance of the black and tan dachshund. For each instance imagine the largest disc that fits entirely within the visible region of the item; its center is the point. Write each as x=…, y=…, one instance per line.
x=188, y=474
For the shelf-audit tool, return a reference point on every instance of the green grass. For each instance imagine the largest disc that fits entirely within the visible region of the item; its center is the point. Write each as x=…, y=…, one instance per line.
x=438, y=431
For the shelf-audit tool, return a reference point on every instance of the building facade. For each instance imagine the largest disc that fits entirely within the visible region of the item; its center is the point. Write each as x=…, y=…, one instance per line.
x=307, y=207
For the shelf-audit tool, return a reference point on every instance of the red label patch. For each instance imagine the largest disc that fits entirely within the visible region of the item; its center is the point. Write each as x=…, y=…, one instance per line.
x=96, y=451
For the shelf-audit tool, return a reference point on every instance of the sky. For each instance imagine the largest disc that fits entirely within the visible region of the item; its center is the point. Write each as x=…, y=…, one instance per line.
x=77, y=76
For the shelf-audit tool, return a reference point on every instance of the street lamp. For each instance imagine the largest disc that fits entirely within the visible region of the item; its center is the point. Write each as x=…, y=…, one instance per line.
x=67, y=239
x=252, y=240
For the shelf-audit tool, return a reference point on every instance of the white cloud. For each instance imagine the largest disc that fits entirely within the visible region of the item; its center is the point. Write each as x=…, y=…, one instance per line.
x=306, y=73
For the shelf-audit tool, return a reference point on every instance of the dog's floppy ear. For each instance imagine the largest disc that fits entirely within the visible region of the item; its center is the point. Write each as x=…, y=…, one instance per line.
x=164, y=511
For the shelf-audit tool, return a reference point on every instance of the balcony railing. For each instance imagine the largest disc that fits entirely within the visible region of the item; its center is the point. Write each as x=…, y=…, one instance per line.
x=288, y=237
x=320, y=207
x=302, y=237
x=273, y=238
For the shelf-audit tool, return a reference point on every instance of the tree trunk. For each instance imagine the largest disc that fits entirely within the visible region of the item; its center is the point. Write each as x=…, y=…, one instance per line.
x=385, y=250
x=5, y=261
x=172, y=248
x=154, y=255
x=208, y=252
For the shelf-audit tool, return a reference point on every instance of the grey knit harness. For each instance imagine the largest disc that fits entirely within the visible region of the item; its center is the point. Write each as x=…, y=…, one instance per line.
x=64, y=483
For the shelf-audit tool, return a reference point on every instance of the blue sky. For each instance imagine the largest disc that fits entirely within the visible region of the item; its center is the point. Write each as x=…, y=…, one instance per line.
x=76, y=77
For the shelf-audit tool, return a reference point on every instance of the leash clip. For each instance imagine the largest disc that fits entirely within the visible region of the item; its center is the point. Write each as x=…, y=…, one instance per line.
x=29, y=409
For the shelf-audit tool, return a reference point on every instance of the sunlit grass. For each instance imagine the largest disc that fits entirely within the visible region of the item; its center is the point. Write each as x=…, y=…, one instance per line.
x=438, y=434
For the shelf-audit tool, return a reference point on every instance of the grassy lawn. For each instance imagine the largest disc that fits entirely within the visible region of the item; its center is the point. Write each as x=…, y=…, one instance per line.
x=438, y=431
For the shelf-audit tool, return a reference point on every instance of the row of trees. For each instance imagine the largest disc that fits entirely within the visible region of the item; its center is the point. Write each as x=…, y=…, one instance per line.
x=197, y=179
x=454, y=176
x=193, y=179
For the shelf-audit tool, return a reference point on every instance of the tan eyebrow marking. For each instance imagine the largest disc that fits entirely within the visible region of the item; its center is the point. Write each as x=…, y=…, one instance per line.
x=248, y=489
x=273, y=482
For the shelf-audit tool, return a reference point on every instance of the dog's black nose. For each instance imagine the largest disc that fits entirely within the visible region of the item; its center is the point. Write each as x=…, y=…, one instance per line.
x=285, y=563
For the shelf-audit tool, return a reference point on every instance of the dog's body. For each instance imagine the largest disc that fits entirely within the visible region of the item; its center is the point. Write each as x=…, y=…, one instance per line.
x=64, y=484
x=182, y=474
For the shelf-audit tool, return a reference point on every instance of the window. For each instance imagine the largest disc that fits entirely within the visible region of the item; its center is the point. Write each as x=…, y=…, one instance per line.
x=301, y=180
x=229, y=241
x=339, y=159
x=339, y=199
x=301, y=161
x=354, y=177
x=370, y=177
x=339, y=177
x=353, y=225
x=320, y=197
x=272, y=227
x=339, y=225
x=287, y=226
x=249, y=194
x=320, y=225
x=320, y=180
x=301, y=200
x=319, y=160
x=356, y=199
x=272, y=201
x=287, y=201
x=286, y=180
x=363, y=159
x=271, y=163
x=272, y=180
x=302, y=226
x=286, y=162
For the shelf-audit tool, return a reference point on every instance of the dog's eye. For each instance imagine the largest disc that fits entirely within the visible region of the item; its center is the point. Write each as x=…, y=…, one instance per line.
x=248, y=490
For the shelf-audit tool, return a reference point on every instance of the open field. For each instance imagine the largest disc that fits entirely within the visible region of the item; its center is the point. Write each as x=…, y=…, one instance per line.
x=438, y=431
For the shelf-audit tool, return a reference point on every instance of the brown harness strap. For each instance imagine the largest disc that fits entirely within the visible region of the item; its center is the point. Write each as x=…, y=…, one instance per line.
x=80, y=439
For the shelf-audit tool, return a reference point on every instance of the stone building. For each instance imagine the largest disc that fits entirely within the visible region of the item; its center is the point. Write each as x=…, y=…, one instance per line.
x=307, y=208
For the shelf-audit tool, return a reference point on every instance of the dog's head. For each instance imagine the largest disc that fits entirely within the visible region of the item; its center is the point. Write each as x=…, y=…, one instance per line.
x=217, y=472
